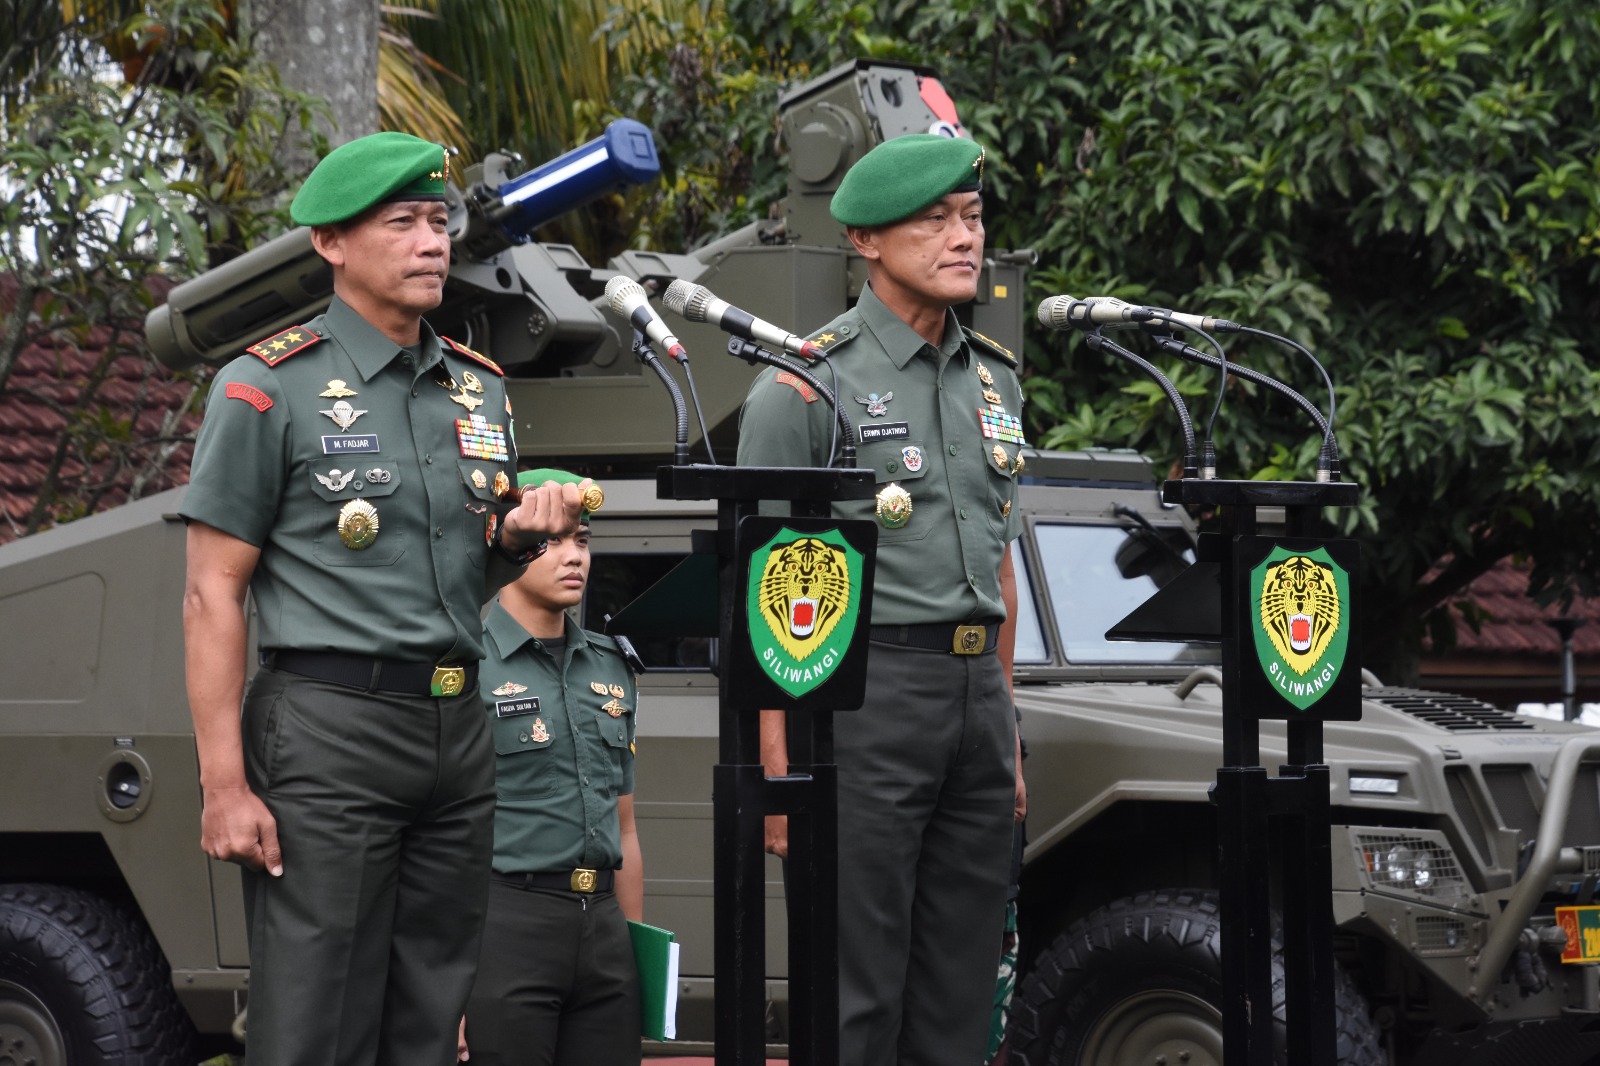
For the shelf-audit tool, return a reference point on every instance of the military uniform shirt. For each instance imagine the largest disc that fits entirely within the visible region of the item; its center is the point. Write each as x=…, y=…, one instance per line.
x=921, y=415
x=563, y=744
x=273, y=467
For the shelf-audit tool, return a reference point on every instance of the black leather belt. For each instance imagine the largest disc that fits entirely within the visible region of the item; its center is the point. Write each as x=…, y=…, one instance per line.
x=376, y=675
x=955, y=639
x=584, y=881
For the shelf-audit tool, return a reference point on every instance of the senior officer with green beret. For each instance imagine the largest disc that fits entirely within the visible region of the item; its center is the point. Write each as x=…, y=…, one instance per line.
x=929, y=779
x=557, y=983
x=353, y=475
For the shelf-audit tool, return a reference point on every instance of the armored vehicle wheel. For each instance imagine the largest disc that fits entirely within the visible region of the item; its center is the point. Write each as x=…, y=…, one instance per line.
x=1140, y=981
x=83, y=984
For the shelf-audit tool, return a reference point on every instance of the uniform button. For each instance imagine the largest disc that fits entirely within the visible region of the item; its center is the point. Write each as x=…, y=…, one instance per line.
x=413, y=390
x=523, y=737
x=963, y=512
x=429, y=459
x=405, y=360
x=358, y=486
x=438, y=531
x=953, y=450
x=586, y=780
x=891, y=466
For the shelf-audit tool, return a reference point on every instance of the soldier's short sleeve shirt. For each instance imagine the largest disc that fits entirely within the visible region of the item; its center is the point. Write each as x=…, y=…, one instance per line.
x=941, y=424
x=368, y=478
x=563, y=723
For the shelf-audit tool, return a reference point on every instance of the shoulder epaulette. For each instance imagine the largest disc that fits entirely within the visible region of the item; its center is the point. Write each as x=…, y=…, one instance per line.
x=280, y=346
x=978, y=340
x=619, y=644
x=475, y=356
x=831, y=340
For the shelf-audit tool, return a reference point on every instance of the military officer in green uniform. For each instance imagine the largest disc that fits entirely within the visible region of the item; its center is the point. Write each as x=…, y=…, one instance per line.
x=929, y=784
x=353, y=475
x=557, y=983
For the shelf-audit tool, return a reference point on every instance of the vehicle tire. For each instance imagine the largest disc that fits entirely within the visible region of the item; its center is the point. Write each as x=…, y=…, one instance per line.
x=1141, y=978
x=83, y=983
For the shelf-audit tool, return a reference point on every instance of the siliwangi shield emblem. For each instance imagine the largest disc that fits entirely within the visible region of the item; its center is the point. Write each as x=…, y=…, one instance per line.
x=1300, y=616
x=804, y=597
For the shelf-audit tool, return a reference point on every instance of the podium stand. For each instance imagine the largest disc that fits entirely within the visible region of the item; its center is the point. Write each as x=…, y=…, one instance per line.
x=766, y=670
x=1284, y=612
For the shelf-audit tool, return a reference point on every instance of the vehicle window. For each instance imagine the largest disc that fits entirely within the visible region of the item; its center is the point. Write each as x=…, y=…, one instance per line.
x=1096, y=575
x=1031, y=647
x=616, y=580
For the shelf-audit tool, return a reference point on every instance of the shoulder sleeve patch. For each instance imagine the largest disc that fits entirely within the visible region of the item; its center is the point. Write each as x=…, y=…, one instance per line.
x=238, y=390
x=980, y=341
x=280, y=346
x=806, y=391
x=476, y=357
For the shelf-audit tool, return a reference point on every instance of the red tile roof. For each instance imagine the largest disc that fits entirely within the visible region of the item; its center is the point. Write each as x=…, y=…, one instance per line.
x=1517, y=626
x=132, y=402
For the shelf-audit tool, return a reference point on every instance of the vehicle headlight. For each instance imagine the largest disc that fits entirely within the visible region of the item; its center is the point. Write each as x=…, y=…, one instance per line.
x=1422, y=863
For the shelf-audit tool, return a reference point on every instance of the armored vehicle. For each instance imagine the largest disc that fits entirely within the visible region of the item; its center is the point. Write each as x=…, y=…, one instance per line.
x=1459, y=828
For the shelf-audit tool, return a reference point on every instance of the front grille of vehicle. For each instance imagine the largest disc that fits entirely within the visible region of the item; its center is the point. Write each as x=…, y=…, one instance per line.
x=1459, y=714
x=1509, y=788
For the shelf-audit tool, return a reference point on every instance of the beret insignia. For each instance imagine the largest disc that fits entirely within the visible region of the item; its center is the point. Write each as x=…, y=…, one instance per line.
x=280, y=346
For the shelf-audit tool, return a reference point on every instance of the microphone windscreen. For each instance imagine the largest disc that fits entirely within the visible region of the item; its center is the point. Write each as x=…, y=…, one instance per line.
x=621, y=290
x=677, y=296
x=1053, y=312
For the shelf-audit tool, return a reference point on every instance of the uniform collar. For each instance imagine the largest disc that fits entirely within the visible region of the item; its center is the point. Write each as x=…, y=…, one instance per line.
x=509, y=636
x=368, y=348
x=898, y=340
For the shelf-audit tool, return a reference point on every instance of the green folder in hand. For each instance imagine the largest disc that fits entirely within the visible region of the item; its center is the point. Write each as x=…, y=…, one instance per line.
x=655, y=952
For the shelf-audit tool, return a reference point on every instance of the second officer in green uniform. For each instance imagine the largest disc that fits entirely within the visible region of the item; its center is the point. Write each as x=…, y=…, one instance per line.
x=557, y=983
x=928, y=779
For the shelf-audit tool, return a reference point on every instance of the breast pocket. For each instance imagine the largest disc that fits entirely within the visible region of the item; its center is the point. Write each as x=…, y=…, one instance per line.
x=900, y=468
x=480, y=507
x=1004, y=469
x=614, y=736
x=524, y=761
x=354, y=488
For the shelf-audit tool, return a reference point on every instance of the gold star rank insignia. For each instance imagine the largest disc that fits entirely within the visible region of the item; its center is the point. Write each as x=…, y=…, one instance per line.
x=825, y=338
x=280, y=346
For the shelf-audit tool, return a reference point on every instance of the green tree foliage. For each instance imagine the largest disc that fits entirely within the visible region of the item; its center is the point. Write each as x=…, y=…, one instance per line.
x=1411, y=190
x=115, y=175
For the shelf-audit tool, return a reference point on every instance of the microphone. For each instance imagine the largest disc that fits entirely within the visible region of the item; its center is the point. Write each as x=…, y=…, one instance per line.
x=628, y=299
x=699, y=304
x=1067, y=312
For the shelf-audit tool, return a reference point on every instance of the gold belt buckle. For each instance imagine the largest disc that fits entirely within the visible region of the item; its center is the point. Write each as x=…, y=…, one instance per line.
x=584, y=880
x=969, y=640
x=449, y=680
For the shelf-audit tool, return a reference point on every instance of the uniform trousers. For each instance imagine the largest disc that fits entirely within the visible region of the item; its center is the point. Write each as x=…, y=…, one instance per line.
x=557, y=983
x=926, y=802
x=363, y=952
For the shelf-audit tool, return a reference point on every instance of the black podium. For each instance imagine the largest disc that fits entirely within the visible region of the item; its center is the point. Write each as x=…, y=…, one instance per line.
x=1283, y=609
x=794, y=606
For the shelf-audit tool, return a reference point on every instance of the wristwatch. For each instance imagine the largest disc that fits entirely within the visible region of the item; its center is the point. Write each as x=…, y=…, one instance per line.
x=516, y=558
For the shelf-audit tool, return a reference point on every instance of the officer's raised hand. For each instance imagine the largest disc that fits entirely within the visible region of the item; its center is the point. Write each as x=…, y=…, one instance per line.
x=544, y=511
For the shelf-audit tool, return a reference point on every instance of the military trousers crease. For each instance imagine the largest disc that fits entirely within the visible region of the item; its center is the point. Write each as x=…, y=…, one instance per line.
x=926, y=801
x=363, y=952
x=557, y=984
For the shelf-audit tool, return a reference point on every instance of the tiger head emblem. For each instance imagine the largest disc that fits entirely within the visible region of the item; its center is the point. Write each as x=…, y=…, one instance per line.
x=804, y=592
x=1300, y=610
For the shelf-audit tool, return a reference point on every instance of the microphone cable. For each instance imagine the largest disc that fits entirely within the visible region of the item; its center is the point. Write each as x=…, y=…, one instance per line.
x=1330, y=443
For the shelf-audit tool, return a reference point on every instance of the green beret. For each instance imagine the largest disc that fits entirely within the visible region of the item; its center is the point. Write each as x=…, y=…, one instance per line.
x=371, y=170
x=904, y=175
x=593, y=497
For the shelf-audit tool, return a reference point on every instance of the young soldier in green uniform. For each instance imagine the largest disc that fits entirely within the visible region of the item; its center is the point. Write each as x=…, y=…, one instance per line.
x=353, y=475
x=929, y=784
x=557, y=982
